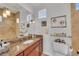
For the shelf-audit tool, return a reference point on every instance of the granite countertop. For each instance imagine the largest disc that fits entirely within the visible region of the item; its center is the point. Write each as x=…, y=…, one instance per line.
x=16, y=48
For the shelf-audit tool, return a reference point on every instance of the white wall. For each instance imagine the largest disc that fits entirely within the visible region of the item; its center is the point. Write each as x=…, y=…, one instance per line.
x=23, y=19
x=53, y=11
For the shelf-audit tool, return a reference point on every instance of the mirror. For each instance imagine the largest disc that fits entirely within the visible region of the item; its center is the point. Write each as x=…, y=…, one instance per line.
x=1, y=19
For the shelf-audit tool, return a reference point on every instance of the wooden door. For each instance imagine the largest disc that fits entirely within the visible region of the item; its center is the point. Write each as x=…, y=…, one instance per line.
x=75, y=28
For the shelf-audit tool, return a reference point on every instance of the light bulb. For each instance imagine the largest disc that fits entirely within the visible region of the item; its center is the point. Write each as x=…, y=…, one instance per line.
x=17, y=20
x=33, y=22
x=7, y=12
x=30, y=22
x=4, y=15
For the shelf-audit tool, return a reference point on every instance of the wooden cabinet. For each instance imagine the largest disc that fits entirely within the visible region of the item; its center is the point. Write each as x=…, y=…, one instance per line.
x=34, y=53
x=35, y=49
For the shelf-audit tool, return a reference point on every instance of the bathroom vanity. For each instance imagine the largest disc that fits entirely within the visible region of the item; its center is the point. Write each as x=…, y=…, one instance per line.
x=31, y=47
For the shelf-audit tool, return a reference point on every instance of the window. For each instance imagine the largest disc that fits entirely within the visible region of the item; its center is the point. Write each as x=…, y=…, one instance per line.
x=77, y=6
x=42, y=14
x=0, y=18
x=29, y=18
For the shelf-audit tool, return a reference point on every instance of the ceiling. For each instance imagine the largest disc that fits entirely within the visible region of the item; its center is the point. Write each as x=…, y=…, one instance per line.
x=25, y=7
x=16, y=7
x=29, y=7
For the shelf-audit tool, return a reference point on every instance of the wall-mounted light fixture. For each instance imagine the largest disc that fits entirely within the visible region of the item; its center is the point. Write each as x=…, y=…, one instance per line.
x=4, y=15
x=17, y=20
x=6, y=12
x=30, y=19
x=32, y=22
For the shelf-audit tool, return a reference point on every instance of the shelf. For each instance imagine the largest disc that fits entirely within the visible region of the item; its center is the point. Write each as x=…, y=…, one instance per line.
x=62, y=36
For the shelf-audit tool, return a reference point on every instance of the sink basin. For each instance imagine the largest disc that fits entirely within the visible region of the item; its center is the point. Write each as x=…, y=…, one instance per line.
x=4, y=48
x=28, y=42
x=7, y=44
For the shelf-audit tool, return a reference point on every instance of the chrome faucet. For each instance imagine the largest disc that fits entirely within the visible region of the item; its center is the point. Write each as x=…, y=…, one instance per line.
x=1, y=42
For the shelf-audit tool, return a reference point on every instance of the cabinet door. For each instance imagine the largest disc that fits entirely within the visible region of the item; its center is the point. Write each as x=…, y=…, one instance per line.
x=35, y=52
x=30, y=50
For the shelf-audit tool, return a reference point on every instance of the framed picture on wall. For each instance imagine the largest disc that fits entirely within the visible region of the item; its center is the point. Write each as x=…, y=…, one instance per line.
x=58, y=22
x=28, y=25
x=44, y=23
